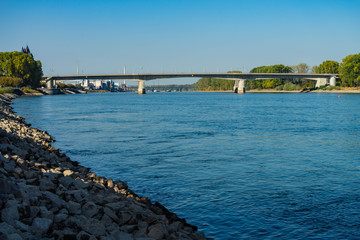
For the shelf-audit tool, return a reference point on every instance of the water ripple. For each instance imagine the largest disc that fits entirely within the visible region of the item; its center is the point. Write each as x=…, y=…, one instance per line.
x=256, y=166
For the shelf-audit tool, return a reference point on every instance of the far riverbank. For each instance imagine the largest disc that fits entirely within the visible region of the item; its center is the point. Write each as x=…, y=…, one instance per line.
x=341, y=90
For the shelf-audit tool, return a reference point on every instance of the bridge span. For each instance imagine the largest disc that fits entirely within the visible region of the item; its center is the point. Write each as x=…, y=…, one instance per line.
x=239, y=78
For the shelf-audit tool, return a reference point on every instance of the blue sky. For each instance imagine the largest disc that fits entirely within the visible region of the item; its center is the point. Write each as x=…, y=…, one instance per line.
x=179, y=36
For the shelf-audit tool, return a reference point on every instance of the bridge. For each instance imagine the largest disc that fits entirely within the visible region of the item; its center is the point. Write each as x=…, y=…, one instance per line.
x=239, y=78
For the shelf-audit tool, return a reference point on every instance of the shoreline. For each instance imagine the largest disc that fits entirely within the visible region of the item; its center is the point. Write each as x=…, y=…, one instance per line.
x=44, y=194
x=297, y=91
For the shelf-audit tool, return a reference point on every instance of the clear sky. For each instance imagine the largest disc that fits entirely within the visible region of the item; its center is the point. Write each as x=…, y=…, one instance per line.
x=179, y=36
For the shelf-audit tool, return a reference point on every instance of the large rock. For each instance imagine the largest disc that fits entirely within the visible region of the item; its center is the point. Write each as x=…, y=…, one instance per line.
x=41, y=226
x=7, y=187
x=116, y=206
x=58, y=218
x=15, y=236
x=76, y=221
x=65, y=234
x=30, y=193
x=10, y=213
x=110, y=183
x=6, y=228
x=46, y=184
x=94, y=227
x=74, y=207
x=124, y=217
x=66, y=181
x=89, y=209
x=157, y=231
x=54, y=199
x=21, y=226
x=79, y=184
x=111, y=214
x=85, y=236
x=9, y=166
x=118, y=235
x=45, y=213
x=68, y=172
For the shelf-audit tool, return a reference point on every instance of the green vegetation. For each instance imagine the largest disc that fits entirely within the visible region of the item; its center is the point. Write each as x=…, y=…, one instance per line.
x=68, y=86
x=19, y=69
x=301, y=68
x=29, y=90
x=350, y=71
x=215, y=84
x=289, y=87
x=6, y=90
x=328, y=67
x=170, y=87
x=10, y=82
x=268, y=83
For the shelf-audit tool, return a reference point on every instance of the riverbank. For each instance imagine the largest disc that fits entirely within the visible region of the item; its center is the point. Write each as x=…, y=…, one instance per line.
x=43, y=194
x=341, y=90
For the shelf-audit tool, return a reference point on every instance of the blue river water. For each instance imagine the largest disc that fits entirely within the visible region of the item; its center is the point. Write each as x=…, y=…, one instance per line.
x=259, y=166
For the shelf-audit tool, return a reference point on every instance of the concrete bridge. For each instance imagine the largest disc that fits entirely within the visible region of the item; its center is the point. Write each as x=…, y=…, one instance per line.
x=239, y=78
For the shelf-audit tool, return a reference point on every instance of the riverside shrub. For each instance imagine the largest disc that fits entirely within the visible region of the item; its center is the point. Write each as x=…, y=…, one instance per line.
x=11, y=82
x=6, y=90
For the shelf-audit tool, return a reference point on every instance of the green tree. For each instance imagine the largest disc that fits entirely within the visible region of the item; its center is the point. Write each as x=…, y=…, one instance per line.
x=268, y=83
x=301, y=68
x=328, y=66
x=314, y=69
x=350, y=71
x=10, y=82
x=207, y=84
x=21, y=65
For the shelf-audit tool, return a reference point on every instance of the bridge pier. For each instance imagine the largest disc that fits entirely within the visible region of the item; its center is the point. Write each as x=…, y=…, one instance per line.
x=50, y=84
x=141, y=87
x=239, y=86
x=332, y=81
x=321, y=82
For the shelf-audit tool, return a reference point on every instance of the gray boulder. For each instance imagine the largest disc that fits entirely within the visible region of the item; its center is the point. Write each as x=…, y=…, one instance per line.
x=10, y=213
x=94, y=227
x=41, y=226
x=90, y=209
x=74, y=208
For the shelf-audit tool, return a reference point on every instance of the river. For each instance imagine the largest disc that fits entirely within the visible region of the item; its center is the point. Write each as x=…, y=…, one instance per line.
x=256, y=165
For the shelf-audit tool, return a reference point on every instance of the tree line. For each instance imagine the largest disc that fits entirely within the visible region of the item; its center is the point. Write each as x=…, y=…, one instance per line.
x=348, y=70
x=20, y=69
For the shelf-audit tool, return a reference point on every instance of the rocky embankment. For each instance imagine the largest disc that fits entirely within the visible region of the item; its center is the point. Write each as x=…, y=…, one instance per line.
x=45, y=195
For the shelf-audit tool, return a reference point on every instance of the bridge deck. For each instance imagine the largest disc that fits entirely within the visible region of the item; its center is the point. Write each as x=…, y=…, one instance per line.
x=153, y=76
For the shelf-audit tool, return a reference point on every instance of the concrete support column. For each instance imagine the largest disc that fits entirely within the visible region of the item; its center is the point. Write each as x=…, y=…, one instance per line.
x=321, y=82
x=50, y=84
x=141, y=87
x=332, y=81
x=239, y=86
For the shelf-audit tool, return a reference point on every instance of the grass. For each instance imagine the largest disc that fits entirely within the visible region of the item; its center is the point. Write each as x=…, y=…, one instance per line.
x=29, y=90
x=6, y=90
x=329, y=88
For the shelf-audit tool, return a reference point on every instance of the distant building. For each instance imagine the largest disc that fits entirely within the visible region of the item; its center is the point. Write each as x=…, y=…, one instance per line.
x=98, y=85
x=108, y=85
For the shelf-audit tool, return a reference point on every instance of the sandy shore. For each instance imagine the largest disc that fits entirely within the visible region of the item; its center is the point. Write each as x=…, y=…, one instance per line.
x=45, y=195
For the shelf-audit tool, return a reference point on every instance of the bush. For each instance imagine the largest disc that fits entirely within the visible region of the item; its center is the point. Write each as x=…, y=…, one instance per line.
x=29, y=90
x=350, y=71
x=291, y=87
x=279, y=88
x=6, y=90
x=10, y=82
x=333, y=88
